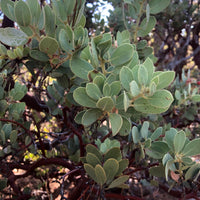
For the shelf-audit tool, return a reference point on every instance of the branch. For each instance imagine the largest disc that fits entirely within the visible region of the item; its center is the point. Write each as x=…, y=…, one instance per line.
x=74, y=130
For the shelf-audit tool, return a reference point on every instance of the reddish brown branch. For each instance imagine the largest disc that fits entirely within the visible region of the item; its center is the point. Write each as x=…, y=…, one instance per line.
x=74, y=130
x=122, y=197
x=142, y=168
x=106, y=136
x=16, y=123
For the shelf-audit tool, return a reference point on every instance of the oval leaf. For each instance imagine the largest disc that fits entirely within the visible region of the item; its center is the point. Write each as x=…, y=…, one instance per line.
x=105, y=104
x=22, y=13
x=80, y=67
x=92, y=149
x=92, y=159
x=93, y=91
x=126, y=76
x=48, y=45
x=90, y=116
x=179, y=141
x=192, y=148
x=122, y=55
x=90, y=171
x=113, y=153
x=100, y=174
x=123, y=164
x=13, y=37
x=81, y=97
x=116, y=123
x=111, y=167
x=142, y=75
x=135, y=91
x=119, y=181
x=157, y=6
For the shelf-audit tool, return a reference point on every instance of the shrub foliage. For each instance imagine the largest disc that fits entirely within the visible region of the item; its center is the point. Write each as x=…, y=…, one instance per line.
x=95, y=106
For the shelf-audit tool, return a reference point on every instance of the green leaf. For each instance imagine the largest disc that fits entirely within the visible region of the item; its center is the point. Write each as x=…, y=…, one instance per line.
x=3, y=50
x=145, y=129
x=122, y=55
x=126, y=77
x=7, y=7
x=178, y=94
x=106, y=90
x=157, y=133
x=79, y=116
x=105, y=43
x=22, y=13
x=94, y=58
x=123, y=37
x=192, y=148
x=115, y=88
x=179, y=141
x=148, y=64
x=80, y=67
x=169, y=137
x=155, y=104
x=92, y=149
x=157, y=150
x=119, y=181
x=93, y=91
x=113, y=153
x=158, y=171
x=192, y=171
x=187, y=161
x=13, y=37
x=169, y=166
x=157, y=6
x=38, y=55
x=92, y=159
x=126, y=102
x=69, y=6
x=123, y=164
x=81, y=97
x=105, y=104
x=135, y=91
x=126, y=127
x=142, y=75
x=99, y=81
x=147, y=12
x=116, y=123
x=164, y=79
x=111, y=167
x=35, y=11
x=91, y=116
x=166, y=158
x=100, y=174
x=13, y=136
x=66, y=39
x=152, y=88
x=48, y=45
x=146, y=27
x=90, y=171
x=196, y=98
x=28, y=140
x=50, y=20
x=41, y=22
x=136, y=135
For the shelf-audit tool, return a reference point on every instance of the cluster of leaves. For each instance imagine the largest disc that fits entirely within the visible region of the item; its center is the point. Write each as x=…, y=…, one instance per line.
x=94, y=89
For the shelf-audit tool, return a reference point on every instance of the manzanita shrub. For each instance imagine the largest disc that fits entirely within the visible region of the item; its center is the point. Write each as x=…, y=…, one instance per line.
x=94, y=106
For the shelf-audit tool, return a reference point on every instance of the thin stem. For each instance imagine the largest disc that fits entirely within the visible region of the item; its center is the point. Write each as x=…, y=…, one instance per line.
x=35, y=34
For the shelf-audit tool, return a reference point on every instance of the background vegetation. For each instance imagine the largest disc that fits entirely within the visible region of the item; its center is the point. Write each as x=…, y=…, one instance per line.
x=96, y=110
